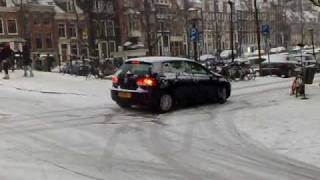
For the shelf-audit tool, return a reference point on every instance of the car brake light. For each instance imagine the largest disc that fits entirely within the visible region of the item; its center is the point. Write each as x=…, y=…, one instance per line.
x=115, y=79
x=135, y=62
x=147, y=82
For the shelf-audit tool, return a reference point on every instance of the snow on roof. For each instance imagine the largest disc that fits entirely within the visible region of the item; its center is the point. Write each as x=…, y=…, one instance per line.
x=152, y=59
x=57, y=8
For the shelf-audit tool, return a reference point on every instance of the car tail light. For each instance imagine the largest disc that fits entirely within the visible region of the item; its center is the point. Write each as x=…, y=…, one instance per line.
x=115, y=79
x=147, y=82
x=135, y=62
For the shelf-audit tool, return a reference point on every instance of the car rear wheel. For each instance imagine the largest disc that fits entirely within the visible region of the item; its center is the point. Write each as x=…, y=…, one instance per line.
x=166, y=103
x=222, y=94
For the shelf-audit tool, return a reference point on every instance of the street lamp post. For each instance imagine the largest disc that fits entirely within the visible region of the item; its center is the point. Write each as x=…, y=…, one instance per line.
x=195, y=12
x=231, y=29
x=312, y=41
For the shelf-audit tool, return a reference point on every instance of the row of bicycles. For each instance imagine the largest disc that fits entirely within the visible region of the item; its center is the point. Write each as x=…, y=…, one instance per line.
x=89, y=68
x=234, y=71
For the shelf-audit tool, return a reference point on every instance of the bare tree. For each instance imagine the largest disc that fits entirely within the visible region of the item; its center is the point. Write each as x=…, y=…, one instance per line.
x=87, y=7
x=256, y=16
x=147, y=12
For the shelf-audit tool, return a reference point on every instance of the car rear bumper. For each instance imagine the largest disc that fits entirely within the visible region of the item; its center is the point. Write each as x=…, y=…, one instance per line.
x=137, y=97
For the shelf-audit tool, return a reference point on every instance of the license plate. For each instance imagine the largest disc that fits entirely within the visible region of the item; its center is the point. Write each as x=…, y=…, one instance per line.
x=124, y=95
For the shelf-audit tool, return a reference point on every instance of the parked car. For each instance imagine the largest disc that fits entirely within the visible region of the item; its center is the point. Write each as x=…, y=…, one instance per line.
x=165, y=82
x=79, y=68
x=227, y=54
x=304, y=59
x=211, y=62
x=280, y=65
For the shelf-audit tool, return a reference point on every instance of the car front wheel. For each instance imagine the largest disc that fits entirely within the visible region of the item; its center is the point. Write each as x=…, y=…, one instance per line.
x=222, y=95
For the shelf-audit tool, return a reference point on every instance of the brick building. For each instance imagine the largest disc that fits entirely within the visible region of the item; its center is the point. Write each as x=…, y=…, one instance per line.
x=71, y=30
x=10, y=25
x=39, y=28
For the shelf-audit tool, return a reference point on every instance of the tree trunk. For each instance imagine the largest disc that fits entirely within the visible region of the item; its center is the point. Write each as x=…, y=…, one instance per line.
x=256, y=15
x=147, y=20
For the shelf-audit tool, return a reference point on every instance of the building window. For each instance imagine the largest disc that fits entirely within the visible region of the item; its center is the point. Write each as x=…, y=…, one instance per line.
x=110, y=28
x=49, y=41
x=109, y=7
x=62, y=30
x=46, y=21
x=70, y=6
x=74, y=49
x=73, y=30
x=36, y=21
x=99, y=29
x=12, y=26
x=99, y=5
x=1, y=27
x=38, y=42
x=112, y=46
x=3, y=3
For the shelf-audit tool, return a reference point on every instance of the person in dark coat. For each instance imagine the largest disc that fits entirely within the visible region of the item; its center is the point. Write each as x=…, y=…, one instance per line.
x=50, y=62
x=6, y=55
x=27, y=61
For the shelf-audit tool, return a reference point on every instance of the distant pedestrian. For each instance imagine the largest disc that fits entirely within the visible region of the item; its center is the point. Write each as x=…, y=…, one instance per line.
x=50, y=61
x=27, y=62
x=6, y=55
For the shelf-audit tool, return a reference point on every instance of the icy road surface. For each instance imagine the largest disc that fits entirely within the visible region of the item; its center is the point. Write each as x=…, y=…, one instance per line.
x=56, y=127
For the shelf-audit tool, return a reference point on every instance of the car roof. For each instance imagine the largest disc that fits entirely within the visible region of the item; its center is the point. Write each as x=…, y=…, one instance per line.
x=153, y=59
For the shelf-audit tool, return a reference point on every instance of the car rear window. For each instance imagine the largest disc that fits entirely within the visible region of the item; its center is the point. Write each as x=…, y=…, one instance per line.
x=137, y=68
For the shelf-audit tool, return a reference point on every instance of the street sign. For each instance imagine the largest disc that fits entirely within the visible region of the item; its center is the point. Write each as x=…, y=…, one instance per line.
x=265, y=29
x=194, y=34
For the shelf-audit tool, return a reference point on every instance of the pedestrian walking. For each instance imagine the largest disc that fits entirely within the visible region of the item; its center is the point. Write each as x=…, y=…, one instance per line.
x=50, y=61
x=6, y=55
x=27, y=62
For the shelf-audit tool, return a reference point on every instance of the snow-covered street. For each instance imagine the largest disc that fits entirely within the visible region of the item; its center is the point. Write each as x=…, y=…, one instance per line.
x=59, y=127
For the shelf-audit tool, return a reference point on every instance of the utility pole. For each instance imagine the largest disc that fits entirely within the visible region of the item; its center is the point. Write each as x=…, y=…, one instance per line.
x=203, y=31
x=256, y=15
x=301, y=21
x=217, y=39
x=147, y=19
x=195, y=43
x=231, y=30
x=186, y=17
x=312, y=41
x=161, y=40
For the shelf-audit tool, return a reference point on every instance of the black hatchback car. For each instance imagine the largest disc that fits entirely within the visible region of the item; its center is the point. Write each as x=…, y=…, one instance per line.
x=164, y=82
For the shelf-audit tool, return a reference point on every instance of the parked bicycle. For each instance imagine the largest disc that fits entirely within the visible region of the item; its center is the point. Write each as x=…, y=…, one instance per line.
x=236, y=71
x=101, y=70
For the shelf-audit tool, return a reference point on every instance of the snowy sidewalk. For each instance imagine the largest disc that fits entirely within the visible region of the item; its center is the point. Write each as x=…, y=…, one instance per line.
x=56, y=83
x=66, y=89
